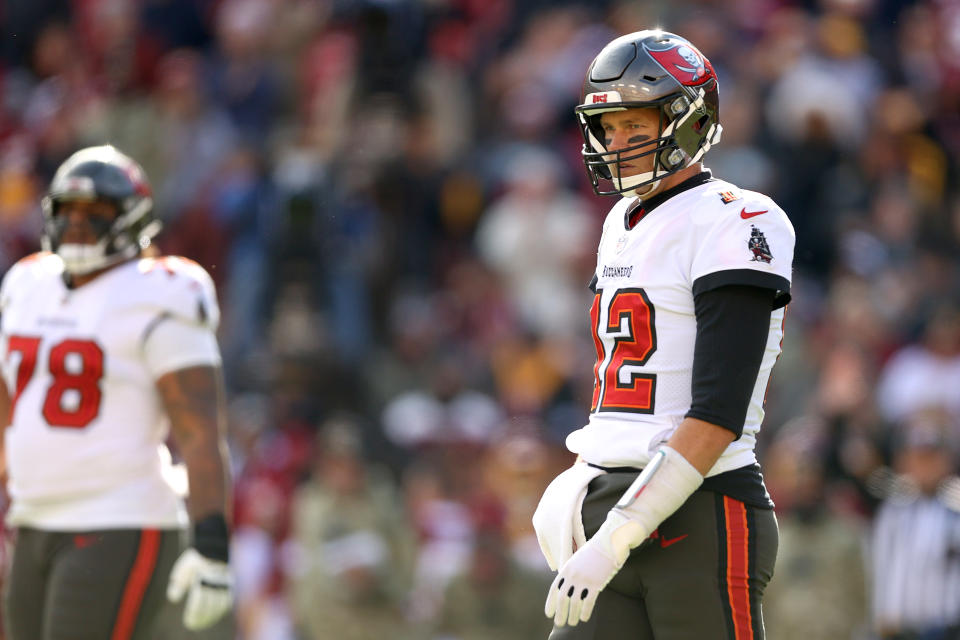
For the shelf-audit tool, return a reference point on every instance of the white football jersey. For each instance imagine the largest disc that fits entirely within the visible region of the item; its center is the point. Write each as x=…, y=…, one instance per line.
x=643, y=321
x=85, y=446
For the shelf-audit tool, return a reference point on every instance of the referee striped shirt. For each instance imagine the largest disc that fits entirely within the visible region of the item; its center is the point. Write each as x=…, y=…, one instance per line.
x=916, y=561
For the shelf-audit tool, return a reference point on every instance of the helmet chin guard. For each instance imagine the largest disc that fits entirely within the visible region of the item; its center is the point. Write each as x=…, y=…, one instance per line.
x=649, y=69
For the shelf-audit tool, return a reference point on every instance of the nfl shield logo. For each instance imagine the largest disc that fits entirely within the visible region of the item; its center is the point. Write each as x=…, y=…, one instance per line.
x=621, y=243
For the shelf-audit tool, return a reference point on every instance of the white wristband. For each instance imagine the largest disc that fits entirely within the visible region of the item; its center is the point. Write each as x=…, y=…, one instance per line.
x=660, y=489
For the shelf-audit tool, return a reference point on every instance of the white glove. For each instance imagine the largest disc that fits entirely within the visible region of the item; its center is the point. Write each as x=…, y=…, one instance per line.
x=210, y=588
x=574, y=591
x=660, y=489
x=557, y=520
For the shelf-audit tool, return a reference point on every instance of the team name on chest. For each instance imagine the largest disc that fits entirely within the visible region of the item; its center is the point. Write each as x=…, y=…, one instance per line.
x=617, y=272
x=54, y=321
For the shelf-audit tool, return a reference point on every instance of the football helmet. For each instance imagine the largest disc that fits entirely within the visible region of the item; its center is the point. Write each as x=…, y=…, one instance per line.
x=100, y=173
x=649, y=69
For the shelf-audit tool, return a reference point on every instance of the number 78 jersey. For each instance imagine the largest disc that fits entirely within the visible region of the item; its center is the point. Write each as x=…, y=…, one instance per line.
x=85, y=444
x=643, y=319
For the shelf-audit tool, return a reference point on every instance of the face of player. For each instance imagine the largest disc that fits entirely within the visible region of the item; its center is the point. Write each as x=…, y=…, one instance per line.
x=627, y=128
x=82, y=220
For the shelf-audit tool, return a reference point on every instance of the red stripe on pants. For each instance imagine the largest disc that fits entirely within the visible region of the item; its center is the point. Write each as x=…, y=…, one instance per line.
x=137, y=583
x=738, y=583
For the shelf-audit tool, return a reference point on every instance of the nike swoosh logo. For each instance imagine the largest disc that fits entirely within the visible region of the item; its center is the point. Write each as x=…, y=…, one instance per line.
x=666, y=542
x=749, y=214
x=83, y=541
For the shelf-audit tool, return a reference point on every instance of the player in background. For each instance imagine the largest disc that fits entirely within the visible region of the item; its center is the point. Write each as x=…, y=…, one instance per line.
x=105, y=352
x=663, y=527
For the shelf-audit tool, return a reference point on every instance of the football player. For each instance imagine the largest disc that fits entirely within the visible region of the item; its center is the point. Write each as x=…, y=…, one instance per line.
x=663, y=528
x=103, y=353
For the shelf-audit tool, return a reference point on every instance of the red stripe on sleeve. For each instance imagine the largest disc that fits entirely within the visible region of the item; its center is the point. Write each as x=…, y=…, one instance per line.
x=137, y=583
x=738, y=583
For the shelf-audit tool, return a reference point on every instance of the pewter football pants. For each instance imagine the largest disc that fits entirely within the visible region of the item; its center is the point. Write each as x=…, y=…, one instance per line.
x=701, y=575
x=87, y=585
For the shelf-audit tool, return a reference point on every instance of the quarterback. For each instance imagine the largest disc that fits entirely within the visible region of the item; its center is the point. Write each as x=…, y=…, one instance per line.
x=105, y=352
x=663, y=527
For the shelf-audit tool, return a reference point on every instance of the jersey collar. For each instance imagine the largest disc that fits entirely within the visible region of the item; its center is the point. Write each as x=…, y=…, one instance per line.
x=632, y=216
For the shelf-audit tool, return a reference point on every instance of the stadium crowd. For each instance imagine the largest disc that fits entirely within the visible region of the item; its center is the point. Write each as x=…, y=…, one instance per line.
x=390, y=197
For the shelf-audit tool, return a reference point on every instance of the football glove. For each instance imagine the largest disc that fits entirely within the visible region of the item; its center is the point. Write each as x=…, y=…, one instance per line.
x=660, y=489
x=207, y=585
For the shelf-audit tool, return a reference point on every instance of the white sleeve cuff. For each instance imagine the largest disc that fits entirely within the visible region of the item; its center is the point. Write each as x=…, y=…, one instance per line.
x=175, y=344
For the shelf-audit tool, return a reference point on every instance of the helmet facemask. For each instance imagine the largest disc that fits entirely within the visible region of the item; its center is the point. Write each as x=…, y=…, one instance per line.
x=680, y=143
x=106, y=174
x=117, y=240
x=649, y=69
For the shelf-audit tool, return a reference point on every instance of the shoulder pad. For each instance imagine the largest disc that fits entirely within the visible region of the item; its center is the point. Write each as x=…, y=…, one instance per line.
x=28, y=272
x=182, y=288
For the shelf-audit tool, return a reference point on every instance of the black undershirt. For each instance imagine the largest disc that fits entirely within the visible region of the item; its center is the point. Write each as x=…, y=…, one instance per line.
x=733, y=323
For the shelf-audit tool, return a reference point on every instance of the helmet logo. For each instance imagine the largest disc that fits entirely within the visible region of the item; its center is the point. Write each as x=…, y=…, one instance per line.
x=683, y=62
x=602, y=97
x=136, y=178
x=77, y=184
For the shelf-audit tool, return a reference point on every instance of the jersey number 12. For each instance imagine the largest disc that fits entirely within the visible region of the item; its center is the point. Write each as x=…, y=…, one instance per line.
x=624, y=343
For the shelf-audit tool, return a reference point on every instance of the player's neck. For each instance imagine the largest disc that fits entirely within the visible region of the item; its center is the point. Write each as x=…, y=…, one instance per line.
x=673, y=180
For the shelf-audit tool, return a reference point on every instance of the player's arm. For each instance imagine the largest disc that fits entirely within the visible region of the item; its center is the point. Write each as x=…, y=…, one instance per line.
x=180, y=351
x=193, y=399
x=733, y=324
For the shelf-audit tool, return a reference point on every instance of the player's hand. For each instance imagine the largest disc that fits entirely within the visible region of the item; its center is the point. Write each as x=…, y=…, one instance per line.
x=206, y=583
x=574, y=591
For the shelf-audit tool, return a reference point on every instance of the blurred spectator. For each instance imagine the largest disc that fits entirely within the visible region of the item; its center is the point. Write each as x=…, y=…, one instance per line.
x=352, y=555
x=819, y=590
x=926, y=373
x=494, y=597
x=242, y=80
x=533, y=236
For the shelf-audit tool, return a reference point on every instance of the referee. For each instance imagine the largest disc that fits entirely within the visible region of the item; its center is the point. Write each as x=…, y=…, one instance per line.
x=916, y=537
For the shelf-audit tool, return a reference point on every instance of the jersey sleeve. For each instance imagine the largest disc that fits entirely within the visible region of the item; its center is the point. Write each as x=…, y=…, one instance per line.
x=176, y=344
x=748, y=242
x=182, y=332
x=183, y=290
x=18, y=277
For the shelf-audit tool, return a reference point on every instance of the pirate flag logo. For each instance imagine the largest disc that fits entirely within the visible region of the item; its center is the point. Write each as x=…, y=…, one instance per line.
x=758, y=246
x=683, y=62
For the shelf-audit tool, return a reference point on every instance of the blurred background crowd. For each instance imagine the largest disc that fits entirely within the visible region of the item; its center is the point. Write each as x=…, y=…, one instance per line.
x=390, y=198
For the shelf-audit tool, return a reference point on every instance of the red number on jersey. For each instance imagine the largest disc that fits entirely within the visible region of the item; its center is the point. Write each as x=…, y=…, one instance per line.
x=83, y=378
x=28, y=347
x=85, y=382
x=631, y=337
